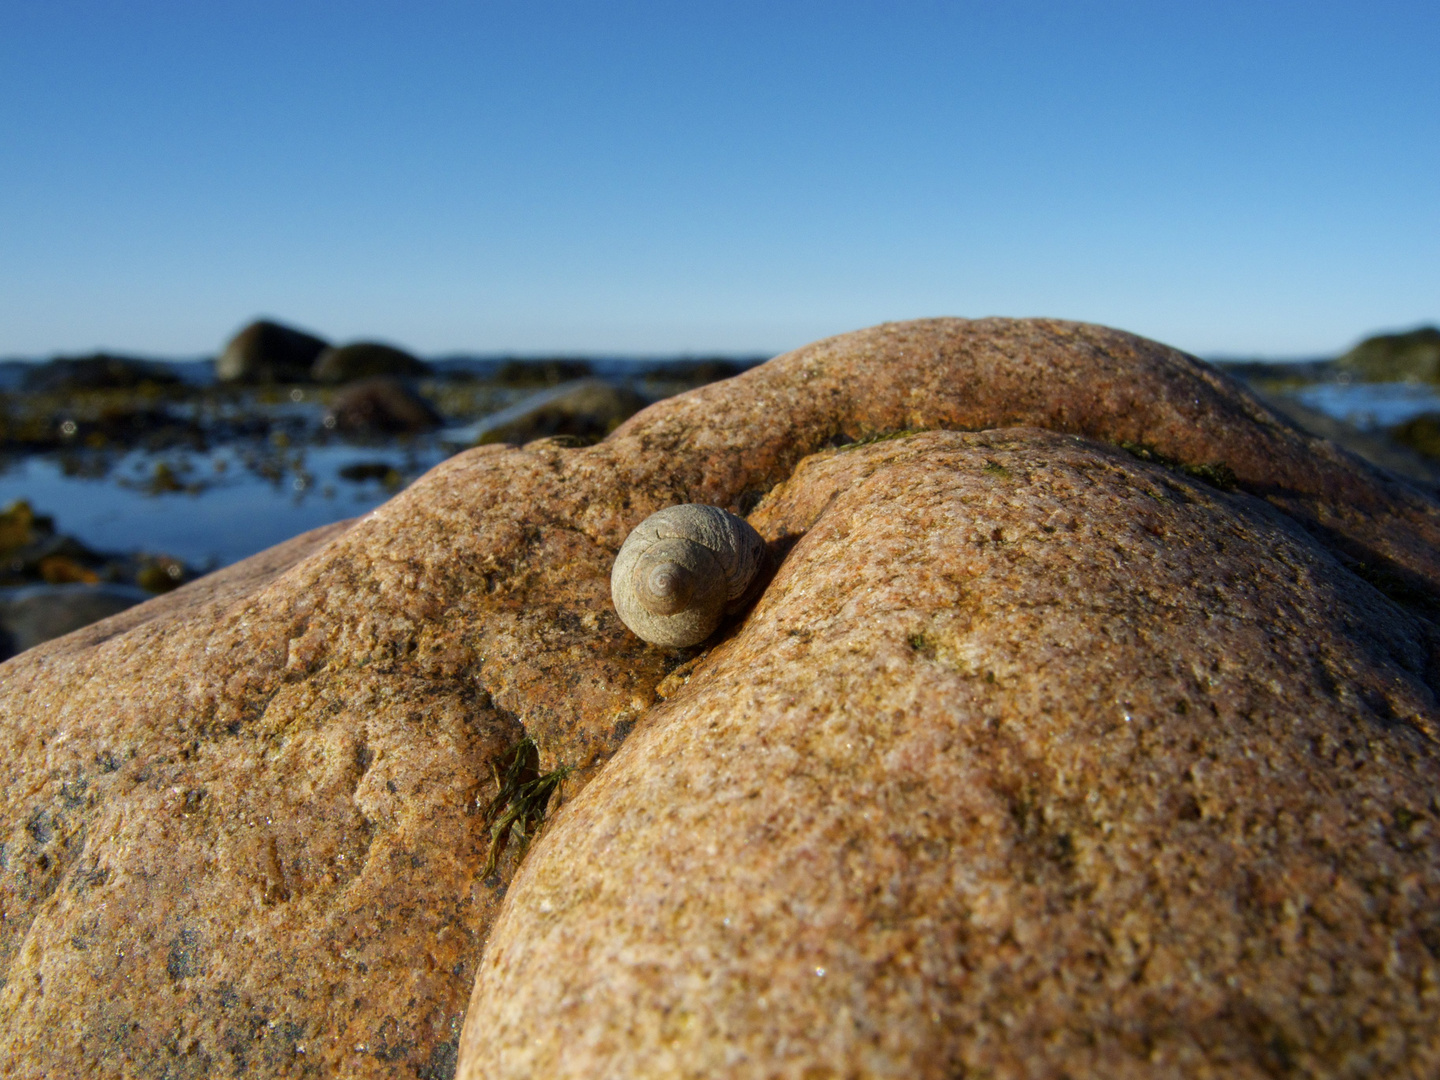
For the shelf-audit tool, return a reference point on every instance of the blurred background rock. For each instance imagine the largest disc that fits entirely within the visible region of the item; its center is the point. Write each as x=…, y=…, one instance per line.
x=126, y=476
x=1410, y=357
x=1379, y=399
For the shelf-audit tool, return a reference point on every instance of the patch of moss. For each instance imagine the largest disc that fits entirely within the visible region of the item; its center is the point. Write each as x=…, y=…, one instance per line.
x=879, y=437
x=1405, y=817
x=1216, y=473
x=922, y=644
x=994, y=468
x=522, y=796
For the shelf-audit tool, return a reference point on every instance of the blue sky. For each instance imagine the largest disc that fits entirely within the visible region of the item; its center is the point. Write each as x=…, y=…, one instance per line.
x=1241, y=178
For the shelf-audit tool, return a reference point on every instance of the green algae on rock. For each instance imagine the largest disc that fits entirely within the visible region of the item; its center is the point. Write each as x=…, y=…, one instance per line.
x=98, y=371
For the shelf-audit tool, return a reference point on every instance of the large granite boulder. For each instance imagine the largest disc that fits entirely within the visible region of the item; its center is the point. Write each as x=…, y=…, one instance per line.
x=267, y=352
x=1032, y=761
x=1086, y=727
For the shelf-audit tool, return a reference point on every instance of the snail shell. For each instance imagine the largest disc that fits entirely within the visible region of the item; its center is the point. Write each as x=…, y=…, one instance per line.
x=682, y=570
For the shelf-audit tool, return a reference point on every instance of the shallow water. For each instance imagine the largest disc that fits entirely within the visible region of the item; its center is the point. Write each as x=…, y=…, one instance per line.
x=220, y=472
x=214, y=506
x=231, y=502
x=1371, y=405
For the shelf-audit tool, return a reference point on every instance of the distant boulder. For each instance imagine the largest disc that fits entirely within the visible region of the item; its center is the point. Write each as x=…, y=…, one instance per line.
x=21, y=527
x=365, y=360
x=381, y=406
x=548, y=372
x=31, y=550
x=583, y=412
x=1421, y=434
x=266, y=352
x=98, y=371
x=702, y=370
x=38, y=613
x=1409, y=357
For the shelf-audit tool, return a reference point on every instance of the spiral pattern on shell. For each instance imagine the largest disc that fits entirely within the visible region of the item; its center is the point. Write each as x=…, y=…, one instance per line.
x=682, y=570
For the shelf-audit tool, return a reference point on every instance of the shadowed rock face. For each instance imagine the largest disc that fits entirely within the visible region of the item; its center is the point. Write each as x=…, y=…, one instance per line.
x=1050, y=757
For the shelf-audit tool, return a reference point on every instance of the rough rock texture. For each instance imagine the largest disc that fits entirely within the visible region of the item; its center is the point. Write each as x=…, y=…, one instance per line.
x=245, y=835
x=1033, y=760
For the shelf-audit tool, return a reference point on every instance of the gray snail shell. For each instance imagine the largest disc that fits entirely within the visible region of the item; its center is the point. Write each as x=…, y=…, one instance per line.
x=682, y=570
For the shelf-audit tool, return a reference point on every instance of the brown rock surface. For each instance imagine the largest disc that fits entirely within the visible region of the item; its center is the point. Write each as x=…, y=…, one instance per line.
x=1033, y=760
x=243, y=837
